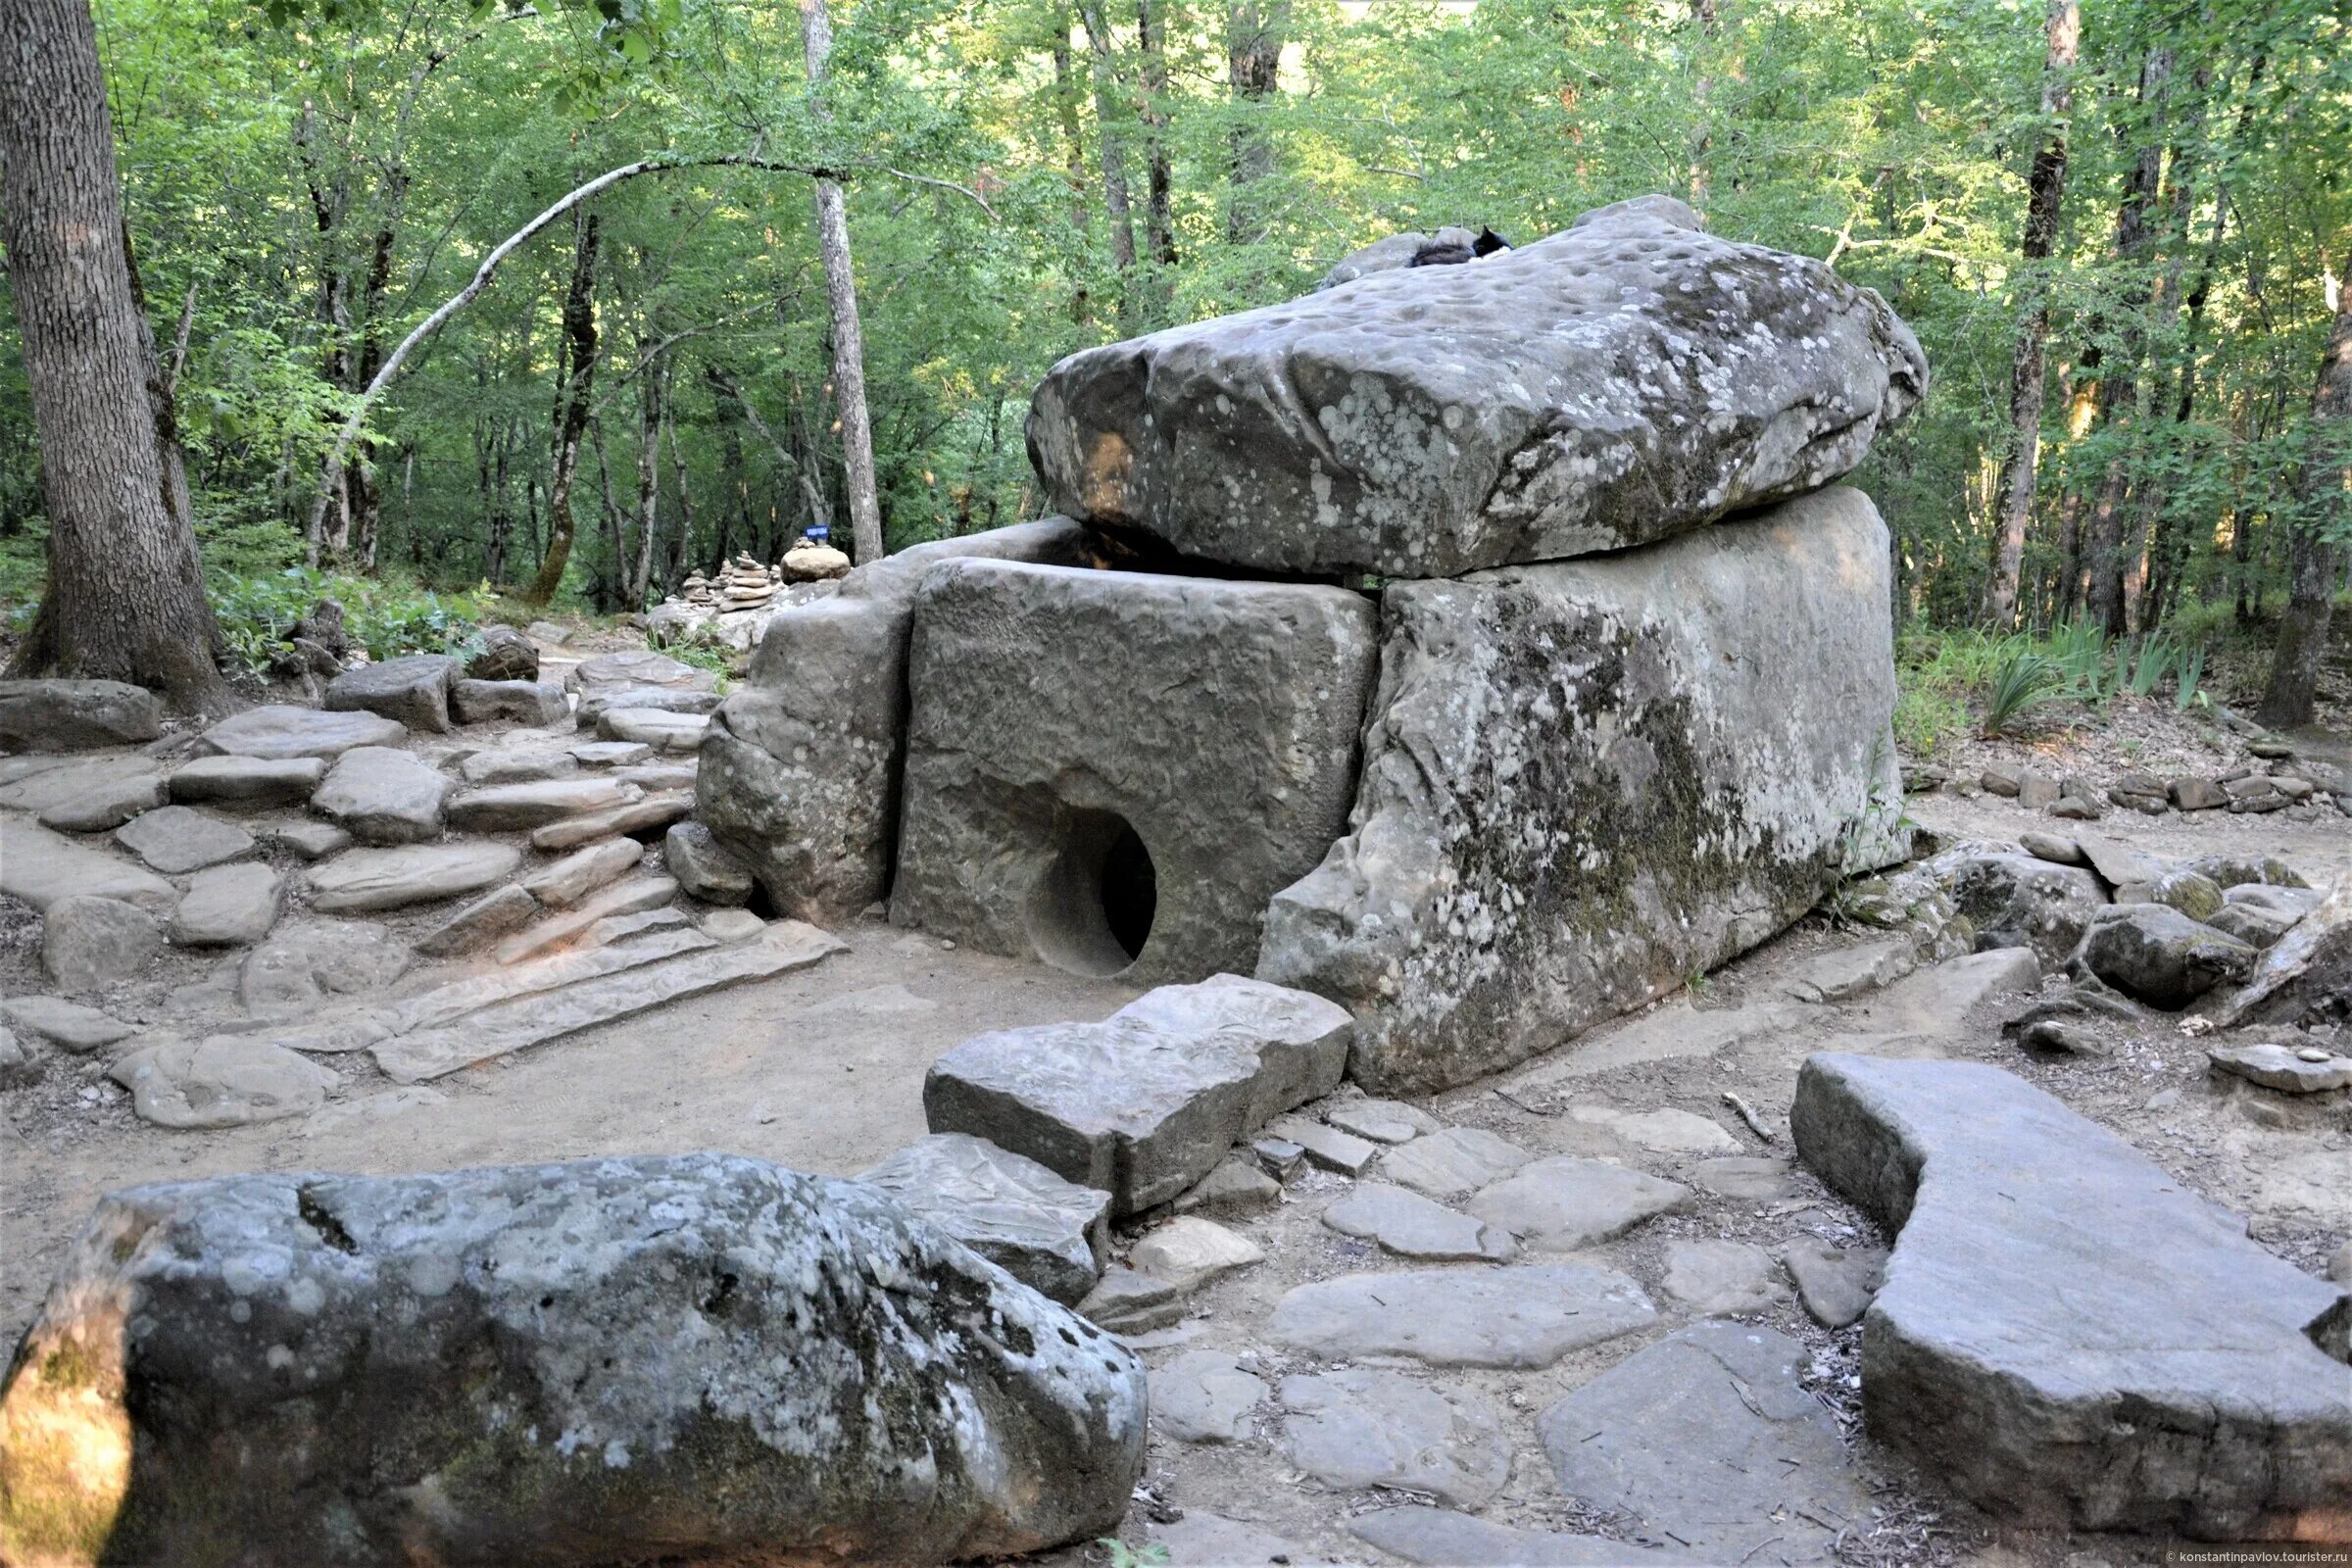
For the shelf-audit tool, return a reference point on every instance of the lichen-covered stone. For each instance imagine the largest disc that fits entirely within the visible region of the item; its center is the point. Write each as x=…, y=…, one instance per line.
x=1060, y=715
x=1585, y=782
x=696, y=1356
x=76, y=715
x=1606, y=386
x=799, y=766
x=2015, y=900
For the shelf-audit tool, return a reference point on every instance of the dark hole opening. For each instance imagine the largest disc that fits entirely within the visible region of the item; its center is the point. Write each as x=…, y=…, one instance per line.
x=1130, y=891
x=1091, y=909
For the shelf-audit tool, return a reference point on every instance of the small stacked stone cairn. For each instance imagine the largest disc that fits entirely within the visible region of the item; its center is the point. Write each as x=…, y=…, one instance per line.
x=809, y=560
x=698, y=592
x=746, y=585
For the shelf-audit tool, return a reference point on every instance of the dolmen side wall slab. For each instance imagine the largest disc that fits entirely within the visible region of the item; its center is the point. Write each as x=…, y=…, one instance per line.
x=2066, y=1335
x=800, y=768
x=1062, y=716
x=1585, y=782
x=697, y=1357
x=1618, y=382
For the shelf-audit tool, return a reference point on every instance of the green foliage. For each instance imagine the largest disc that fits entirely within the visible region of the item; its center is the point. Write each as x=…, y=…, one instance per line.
x=2186, y=673
x=2022, y=679
x=1121, y=1554
x=387, y=617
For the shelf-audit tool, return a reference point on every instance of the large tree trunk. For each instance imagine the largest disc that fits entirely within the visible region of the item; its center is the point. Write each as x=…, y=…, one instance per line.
x=1066, y=94
x=2045, y=192
x=1159, y=220
x=1254, y=34
x=571, y=408
x=1113, y=144
x=2315, y=538
x=649, y=487
x=849, y=338
x=675, y=564
x=736, y=510
x=125, y=599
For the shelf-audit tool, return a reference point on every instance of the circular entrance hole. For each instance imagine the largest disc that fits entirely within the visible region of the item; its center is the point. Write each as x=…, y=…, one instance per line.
x=1093, y=909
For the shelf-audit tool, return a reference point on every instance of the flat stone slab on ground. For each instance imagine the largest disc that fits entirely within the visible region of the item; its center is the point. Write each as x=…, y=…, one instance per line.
x=412, y=689
x=221, y=1081
x=1722, y=1277
x=568, y=881
x=43, y=783
x=1382, y=1121
x=1452, y=1163
x=1709, y=1434
x=1125, y=1301
x=524, y=702
x=366, y=880
x=227, y=907
x=655, y=728
x=382, y=795
x=76, y=715
x=640, y=816
x=1204, y=1540
x=1748, y=1178
x=636, y=896
x=255, y=782
x=1144, y=1102
x=1412, y=1226
x=1325, y=1148
x=1845, y=972
x=310, y=841
x=1560, y=1205
x=1524, y=1315
x=1190, y=1252
x=610, y=754
x=2286, y=1068
x=69, y=1025
x=519, y=807
x=1235, y=1190
x=282, y=731
x=1051, y=1235
x=641, y=667
x=481, y=922
x=299, y=968
x=1206, y=1396
x=517, y=765
x=175, y=840
x=1442, y=1538
x=2065, y=1333
x=1363, y=1427
x=110, y=802
x=1665, y=1131
x=1835, y=1284
x=40, y=868
x=89, y=943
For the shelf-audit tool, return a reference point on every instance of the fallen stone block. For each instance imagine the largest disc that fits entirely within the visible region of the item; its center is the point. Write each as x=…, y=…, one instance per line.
x=1125, y=1301
x=635, y=895
x=2306, y=976
x=520, y=807
x=2020, y=901
x=175, y=840
x=524, y=702
x=705, y=867
x=253, y=781
x=1052, y=1235
x=2065, y=1335
x=615, y=1360
x=1147, y=1102
x=572, y=878
x=1113, y=772
x=647, y=815
x=90, y=943
x=1188, y=1252
x=639, y=668
x=506, y=656
x=1571, y=799
x=2160, y=955
x=599, y=701
x=2291, y=1070
x=1609, y=385
x=380, y=794
x=478, y=924
x=413, y=689
x=283, y=731
x=76, y=715
x=227, y=907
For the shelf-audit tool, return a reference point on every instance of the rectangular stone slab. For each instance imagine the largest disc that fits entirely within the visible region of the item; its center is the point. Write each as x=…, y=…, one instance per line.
x=1585, y=782
x=509, y=1026
x=1145, y=1102
x=1059, y=714
x=2067, y=1335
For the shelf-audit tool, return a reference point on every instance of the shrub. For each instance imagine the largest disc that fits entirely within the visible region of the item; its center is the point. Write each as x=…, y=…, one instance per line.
x=386, y=617
x=2024, y=677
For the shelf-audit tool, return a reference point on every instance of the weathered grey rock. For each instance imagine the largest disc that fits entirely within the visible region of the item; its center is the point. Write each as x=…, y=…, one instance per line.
x=519, y=807
x=1143, y=1103
x=2017, y=901
x=801, y=765
x=358, y=881
x=1589, y=704
x=1235, y=1190
x=686, y=1354
x=281, y=731
x=649, y=815
x=1190, y=1252
x=1664, y=1131
x=1525, y=1315
x=1412, y=1226
x=2284, y=1068
x=221, y=1081
x=1835, y=1284
x=1327, y=1147
x=1113, y=772
x=2244, y=871
x=1388, y=254
x=657, y=776
x=175, y=839
x=69, y=1025
x=2251, y=924
x=572, y=878
x=634, y=925
x=1443, y=1538
x=1708, y=1434
x=705, y=867
x=2036, y=791
x=381, y=794
x=610, y=754
x=40, y=868
x=507, y=655
x=1206, y=1396
x=2197, y=897
x=309, y=840
x=247, y=781
x=517, y=766
x=525, y=702
x=108, y=803
x=535, y=1018
x=1125, y=1301
x=17, y=1063
x=227, y=907
x=635, y=895
x=414, y=690
x=1745, y=1177
x=1845, y=972
x=1052, y=1235
x=1359, y=1427
x=76, y=715
x=553, y=634
x=2196, y=793
x=1204, y=1540
x=2066, y=1335
x=2161, y=956
x=652, y=726
x=640, y=668
x=2055, y=848
x=90, y=943
x=1452, y=1163
x=1606, y=386
x=2291, y=904
x=2306, y=976
x=299, y=968
x=1722, y=1277
x=679, y=703
x=1559, y=1205
x=494, y=914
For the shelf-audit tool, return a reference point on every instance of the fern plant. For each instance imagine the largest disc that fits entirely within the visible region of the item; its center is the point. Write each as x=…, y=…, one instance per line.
x=2020, y=681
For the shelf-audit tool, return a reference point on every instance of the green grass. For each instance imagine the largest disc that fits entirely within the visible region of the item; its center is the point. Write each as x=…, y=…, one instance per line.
x=1948, y=681
x=388, y=616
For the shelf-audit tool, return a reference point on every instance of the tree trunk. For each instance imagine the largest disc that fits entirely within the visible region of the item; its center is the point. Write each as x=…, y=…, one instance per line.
x=125, y=599
x=849, y=338
x=1159, y=220
x=682, y=541
x=571, y=408
x=2045, y=192
x=1253, y=35
x=1073, y=139
x=735, y=512
x=2316, y=534
x=649, y=487
x=1113, y=146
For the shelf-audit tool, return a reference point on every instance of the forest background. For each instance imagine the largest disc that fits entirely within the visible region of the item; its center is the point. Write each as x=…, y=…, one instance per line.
x=2121, y=233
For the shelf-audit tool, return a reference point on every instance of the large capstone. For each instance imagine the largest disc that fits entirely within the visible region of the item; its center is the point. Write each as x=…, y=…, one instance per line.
x=697, y=1356
x=799, y=766
x=1585, y=782
x=1622, y=381
x=2066, y=1335
x=1113, y=772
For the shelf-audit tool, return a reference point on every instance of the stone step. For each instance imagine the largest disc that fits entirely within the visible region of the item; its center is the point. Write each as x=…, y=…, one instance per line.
x=519, y=807
x=40, y=868
x=1523, y=1315
x=2067, y=1335
x=281, y=730
x=633, y=897
x=361, y=880
x=1052, y=1235
x=640, y=816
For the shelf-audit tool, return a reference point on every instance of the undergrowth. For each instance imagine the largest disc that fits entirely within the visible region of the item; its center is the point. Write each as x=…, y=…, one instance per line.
x=385, y=615
x=1950, y=680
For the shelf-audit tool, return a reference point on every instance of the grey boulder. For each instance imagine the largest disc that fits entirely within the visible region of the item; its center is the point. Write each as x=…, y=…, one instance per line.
x=2161, y=956
x=175, y=839
x=705, y=867
x=413, y=690
x=506, y=655
x=2305, y=977
x=242, y=781
x=227, y=907
x=90, y=943
x=2065, y=1333
x=2019, y=900
x=641, y=667
x=524, y=702
x=667, y=1357
x=1052, y=1235
x=363, y=880
x=76, y=715
x=381, y=794
x=221, y=1081
x=1610, y=385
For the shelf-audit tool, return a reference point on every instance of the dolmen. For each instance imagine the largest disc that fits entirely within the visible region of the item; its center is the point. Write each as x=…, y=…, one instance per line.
x=1486, y=648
